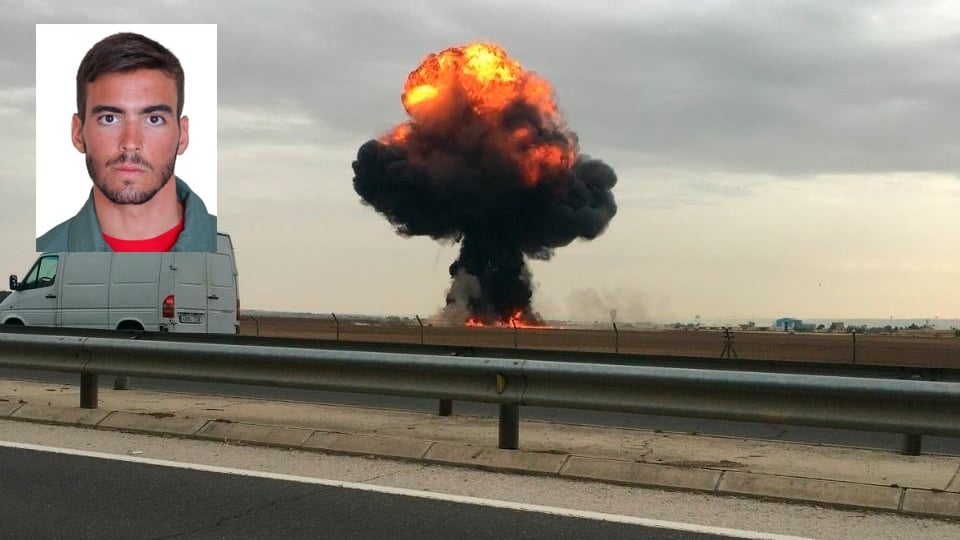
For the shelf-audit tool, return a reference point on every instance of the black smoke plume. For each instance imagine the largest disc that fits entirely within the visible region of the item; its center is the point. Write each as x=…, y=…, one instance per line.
x=458, y=181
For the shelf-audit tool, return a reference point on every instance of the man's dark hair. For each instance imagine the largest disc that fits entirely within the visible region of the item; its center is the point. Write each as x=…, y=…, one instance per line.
x=123, y=53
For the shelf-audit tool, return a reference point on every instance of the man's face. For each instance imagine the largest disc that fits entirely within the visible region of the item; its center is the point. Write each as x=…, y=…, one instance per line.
x=131, y=135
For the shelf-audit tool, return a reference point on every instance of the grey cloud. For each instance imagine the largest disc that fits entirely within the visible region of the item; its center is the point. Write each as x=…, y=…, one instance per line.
x=779, y=88
x=346, y=64
x=770, y=88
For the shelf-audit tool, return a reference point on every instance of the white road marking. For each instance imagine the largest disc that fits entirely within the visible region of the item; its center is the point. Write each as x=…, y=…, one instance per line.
x=478, y=501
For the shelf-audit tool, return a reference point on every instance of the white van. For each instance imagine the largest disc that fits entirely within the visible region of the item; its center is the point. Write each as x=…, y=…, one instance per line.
x=192, y=292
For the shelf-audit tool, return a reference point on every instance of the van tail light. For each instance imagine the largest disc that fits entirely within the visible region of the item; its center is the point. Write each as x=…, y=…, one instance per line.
x=168, y=306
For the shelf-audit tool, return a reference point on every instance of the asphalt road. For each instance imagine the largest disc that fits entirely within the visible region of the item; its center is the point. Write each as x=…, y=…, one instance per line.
x=52, y=495
x=888, y=441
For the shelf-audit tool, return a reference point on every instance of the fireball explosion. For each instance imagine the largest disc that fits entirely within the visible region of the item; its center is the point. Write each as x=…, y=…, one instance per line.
x=487, y=160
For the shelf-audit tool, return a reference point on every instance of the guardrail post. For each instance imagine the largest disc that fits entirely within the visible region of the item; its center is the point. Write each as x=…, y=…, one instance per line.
x=616, y=343
x=88, y=390
x=911, y=443
x=257, y=321
x=421, y=329
x=516, y=333
x=509, y=426
x=446, y=407
x=338, y=325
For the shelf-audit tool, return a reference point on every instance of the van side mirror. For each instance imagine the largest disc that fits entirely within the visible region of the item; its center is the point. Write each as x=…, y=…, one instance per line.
x=14, y=285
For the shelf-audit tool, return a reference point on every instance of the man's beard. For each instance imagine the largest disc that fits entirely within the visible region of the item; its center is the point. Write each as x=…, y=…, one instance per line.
x=129, y=193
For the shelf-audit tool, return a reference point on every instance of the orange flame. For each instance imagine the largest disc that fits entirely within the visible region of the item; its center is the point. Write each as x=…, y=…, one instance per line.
x=489, y=81
x=517, y=320
x=484, y=72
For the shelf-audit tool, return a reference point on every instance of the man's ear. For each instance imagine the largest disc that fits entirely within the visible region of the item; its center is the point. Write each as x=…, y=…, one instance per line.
x=184, y=135
x=76, y=134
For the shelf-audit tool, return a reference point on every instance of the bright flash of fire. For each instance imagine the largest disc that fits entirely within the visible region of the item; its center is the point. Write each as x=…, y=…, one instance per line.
x=515, y=321
x=483, y=71
x=484, y=77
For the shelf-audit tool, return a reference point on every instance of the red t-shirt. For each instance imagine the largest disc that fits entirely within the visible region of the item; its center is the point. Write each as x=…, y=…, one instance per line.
x=163, y=242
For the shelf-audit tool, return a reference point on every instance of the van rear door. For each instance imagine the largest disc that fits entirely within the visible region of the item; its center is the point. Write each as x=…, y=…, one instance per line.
x=190, y=293
x=221, y=295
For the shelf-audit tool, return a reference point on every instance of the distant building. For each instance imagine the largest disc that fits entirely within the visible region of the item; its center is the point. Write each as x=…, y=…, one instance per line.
x=787, y=324
x=837, y=327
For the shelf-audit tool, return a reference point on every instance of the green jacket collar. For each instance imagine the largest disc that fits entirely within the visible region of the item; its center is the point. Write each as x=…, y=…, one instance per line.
x=82, y=232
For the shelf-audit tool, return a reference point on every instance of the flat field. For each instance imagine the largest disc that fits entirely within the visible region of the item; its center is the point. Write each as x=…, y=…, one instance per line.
x=911, y=351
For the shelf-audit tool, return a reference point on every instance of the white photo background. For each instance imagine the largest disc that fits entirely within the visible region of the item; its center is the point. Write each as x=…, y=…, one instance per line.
x=63, y=184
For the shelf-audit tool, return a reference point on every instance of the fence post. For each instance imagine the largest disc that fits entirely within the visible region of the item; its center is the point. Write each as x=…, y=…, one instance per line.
x=729, y=351
x=257, y=321
x=516, y=333
x=421, y=328
x=616, y=344
x=338, y=325
x=88, y=390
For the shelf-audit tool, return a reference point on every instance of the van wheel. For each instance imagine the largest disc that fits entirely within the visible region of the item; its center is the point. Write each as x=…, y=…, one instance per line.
x=14, y=322
x=130, y=326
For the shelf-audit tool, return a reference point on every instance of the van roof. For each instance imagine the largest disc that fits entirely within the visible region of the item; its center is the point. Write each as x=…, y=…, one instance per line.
x=224, y=243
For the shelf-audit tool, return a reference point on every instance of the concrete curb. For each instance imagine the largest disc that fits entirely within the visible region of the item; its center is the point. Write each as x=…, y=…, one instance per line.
x=8, y=407
x=59, y=415
x=367, y=445
x=955, y=484
x=282, y=437
x=829, y=492
x=495, y=459
x=153, y=424
x=641, y=474
x=931, y=503
x=718, y=481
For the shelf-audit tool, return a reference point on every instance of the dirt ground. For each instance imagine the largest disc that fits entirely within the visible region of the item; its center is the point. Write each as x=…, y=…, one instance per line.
x=912, y=351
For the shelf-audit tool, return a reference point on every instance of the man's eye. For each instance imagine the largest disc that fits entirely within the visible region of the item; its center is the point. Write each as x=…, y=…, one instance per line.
x=155, y=120
x=108, y=119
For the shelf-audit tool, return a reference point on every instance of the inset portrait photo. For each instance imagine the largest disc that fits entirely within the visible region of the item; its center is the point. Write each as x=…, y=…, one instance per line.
x=126, y=137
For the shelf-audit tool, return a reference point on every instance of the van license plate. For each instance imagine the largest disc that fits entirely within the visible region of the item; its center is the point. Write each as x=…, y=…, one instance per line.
x=191, y=318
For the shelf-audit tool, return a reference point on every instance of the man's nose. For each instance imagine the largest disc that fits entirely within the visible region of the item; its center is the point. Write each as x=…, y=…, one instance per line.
x=131, y=137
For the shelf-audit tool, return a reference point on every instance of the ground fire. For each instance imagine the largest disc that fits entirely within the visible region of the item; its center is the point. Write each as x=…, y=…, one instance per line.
x=486, y=160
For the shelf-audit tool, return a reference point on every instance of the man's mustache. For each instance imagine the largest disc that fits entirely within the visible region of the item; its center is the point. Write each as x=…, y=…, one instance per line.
x=131, y=158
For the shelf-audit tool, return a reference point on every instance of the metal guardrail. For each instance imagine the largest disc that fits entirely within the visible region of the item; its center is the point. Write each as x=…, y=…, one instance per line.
x=899, y=406
x=895, y=371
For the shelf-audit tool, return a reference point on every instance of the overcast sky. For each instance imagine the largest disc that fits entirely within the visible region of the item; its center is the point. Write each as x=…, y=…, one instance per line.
x=774, y=158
